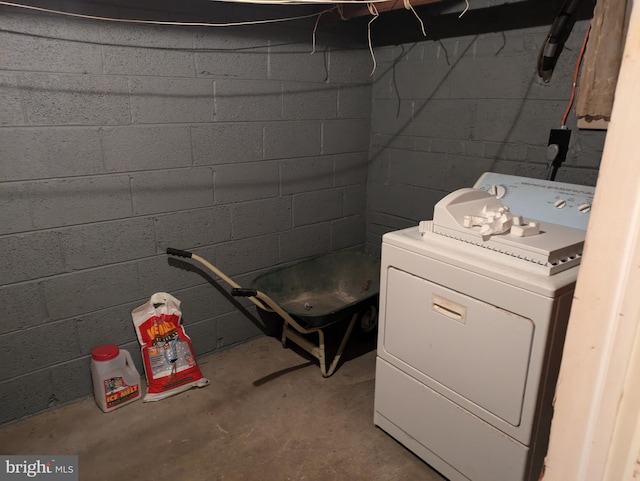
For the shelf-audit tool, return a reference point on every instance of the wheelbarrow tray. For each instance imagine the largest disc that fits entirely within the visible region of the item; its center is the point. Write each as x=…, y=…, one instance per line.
x=324, y=289
x=312, y=294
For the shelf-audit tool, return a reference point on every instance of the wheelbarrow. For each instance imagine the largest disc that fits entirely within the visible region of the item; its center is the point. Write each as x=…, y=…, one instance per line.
x=312, y=295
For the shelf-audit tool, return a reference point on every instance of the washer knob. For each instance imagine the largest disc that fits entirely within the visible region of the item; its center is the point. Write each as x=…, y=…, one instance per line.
x=584, y=208
x=498, y=191
x=560, y=203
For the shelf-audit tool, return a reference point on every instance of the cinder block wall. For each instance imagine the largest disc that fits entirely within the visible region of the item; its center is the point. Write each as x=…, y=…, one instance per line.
x=117, y=141
x=446, y=111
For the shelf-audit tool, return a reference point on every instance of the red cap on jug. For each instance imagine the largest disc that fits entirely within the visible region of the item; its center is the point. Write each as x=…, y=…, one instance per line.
x=105, y=353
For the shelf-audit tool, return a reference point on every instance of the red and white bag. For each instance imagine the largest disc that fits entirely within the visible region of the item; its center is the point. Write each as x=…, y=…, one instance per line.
x=169, y=361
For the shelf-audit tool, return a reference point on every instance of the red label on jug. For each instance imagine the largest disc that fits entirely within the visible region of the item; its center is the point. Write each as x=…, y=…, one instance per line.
x=117, y=391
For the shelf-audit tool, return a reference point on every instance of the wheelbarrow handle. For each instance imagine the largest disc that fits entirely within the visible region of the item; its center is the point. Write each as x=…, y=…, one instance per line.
x=243, y=292
x=177, y=252
x=236, y=290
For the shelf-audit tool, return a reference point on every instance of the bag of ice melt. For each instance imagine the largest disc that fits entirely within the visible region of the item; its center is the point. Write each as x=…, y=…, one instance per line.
x=169, y=361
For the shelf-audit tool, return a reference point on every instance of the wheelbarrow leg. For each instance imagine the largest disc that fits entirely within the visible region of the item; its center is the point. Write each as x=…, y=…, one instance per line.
x=285, y=327
x=343, y=343
x=321, y=354
x=316, y=350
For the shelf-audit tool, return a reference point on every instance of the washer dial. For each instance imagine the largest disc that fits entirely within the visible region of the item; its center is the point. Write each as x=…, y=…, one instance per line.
x=498, y=191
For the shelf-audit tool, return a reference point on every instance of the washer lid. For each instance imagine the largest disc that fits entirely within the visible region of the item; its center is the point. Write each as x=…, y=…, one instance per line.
x=479, y=219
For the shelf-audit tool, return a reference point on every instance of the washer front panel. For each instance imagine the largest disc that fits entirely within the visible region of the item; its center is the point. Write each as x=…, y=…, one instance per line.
x=475, y=349
x=475, y=281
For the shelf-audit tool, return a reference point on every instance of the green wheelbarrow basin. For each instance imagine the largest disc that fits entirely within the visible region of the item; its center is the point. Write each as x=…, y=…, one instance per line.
x=324, y=289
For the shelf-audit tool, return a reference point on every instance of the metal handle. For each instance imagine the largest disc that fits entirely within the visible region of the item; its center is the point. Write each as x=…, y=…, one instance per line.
x=449, y=309
x=243, y=292
x=177, y=252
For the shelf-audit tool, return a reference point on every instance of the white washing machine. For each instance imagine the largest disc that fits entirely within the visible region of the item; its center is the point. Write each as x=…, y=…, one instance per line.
x=473, y=313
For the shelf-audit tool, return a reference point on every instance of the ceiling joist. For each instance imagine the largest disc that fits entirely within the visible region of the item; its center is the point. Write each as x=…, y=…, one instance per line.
x=354, y=10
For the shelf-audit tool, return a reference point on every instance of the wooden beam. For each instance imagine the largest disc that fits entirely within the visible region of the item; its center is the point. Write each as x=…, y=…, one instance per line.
x=360, y=9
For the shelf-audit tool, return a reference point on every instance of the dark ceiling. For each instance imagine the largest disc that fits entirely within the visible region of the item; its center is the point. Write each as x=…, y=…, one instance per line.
x=400, y=26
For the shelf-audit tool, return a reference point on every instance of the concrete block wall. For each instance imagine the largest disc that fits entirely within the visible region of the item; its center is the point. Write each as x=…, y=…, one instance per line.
x=444, y=112
x=117, y=141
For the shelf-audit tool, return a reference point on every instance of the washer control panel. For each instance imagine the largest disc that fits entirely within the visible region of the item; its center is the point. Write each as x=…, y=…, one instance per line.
x=543, y=200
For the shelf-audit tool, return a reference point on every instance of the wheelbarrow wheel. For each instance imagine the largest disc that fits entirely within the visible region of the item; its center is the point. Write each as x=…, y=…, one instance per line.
x=368, y=320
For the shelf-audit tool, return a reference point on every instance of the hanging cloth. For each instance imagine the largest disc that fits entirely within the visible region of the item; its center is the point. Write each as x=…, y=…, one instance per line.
x=602, y=60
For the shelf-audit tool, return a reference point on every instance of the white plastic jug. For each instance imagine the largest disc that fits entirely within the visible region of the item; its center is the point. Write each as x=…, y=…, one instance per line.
x=116, y=381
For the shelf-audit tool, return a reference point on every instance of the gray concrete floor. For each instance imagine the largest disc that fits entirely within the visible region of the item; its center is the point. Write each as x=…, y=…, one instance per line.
x=267, y=415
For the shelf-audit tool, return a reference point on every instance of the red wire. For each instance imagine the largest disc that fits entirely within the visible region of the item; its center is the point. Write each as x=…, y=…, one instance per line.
x=575, y=77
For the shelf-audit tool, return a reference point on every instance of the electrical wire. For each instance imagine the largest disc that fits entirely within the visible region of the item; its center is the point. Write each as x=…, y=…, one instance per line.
x=465, y=8
x=313, y=35
x=161, y=22
x=337, y=7
x=300, y=2
x=408, y=6
x=341, y=12
x=575, y=78
x=373, y=11
x=251, y=49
